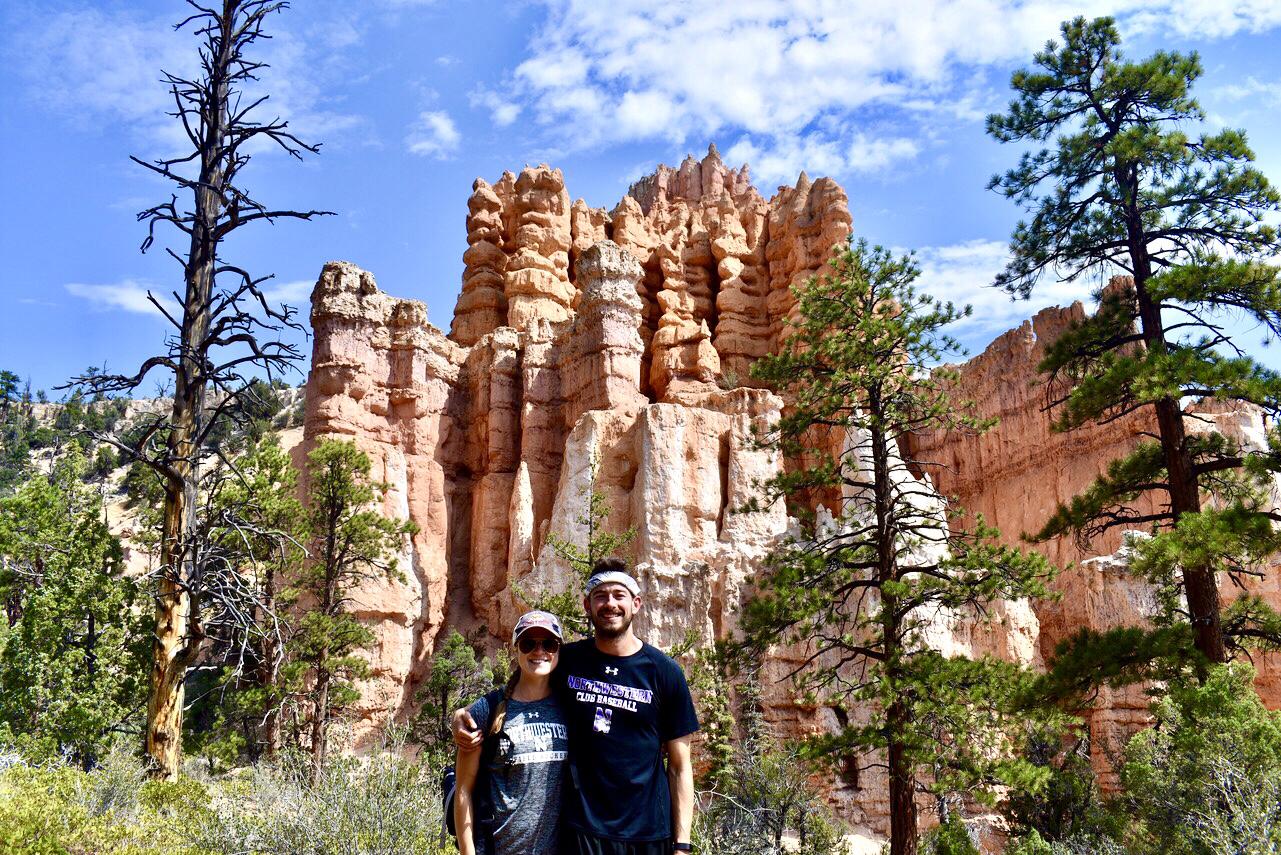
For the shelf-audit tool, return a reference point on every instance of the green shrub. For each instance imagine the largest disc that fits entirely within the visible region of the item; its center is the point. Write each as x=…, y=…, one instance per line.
x=380, y=804
x=950, y=838
x=455, y=677
x=37, y=813
x=1206, y=778
x=175, y=799
x=765, y=804
x=1032, y=844
x=55, y=809
x=113, y=786
x=105, y=461
x=1067, y=802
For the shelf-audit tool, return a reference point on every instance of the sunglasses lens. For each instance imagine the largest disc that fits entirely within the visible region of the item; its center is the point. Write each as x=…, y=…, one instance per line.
x=529, y=645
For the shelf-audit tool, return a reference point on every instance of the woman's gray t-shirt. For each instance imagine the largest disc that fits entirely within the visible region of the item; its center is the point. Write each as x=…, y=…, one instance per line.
x=525, y=783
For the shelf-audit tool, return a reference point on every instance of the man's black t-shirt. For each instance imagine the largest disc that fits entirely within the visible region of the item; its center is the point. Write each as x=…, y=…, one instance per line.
x=620, y=710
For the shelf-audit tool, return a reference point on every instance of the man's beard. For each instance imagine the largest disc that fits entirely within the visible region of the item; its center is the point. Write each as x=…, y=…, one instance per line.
x=609, y=631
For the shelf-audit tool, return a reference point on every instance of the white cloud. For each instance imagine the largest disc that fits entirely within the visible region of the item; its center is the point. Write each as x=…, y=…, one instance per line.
x=646, y=114
x=781, y=158
x=875, y=155
x=786, y=79
x=91, y=65
x=554, y=71
x=433, y=135
x=501, y=110
x=129, y=295
x=294, y=293
x=303, y=70
x=1252, y=88
x=99, y=67
x=963, y=273
x=1213, y=19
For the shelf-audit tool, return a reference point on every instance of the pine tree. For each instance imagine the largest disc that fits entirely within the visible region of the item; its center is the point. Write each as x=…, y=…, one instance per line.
x=1123, y=185
x=351, y=543
x=455, y=678
x=73, y=644
x=259, y=537
x=16, y=429
x=225, y=329
x=863, y=589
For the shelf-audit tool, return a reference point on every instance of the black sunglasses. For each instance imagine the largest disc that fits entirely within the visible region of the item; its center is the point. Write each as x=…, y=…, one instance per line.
x=528, y=645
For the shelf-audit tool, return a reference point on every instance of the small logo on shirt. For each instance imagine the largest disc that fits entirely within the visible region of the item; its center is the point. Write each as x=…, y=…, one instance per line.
x=609, y=670
x=603, y=720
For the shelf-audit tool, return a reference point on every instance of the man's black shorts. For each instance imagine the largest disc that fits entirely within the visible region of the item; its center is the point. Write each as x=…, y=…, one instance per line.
x=581, y=843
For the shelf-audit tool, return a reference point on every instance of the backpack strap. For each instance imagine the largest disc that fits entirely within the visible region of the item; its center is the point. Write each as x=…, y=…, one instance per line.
x=483, y=819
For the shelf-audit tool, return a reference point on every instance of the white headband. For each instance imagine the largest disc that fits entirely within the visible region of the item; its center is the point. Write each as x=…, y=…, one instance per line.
x=614, y=577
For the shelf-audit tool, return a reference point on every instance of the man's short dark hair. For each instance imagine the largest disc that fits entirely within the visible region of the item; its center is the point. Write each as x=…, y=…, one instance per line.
x=612, y=563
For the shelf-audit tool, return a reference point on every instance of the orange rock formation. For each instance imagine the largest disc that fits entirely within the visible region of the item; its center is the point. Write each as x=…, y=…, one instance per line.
x=586, y=340
x=1016, y=474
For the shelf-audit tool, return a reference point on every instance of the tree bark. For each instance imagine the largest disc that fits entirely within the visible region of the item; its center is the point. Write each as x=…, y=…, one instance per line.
x=897, y=715
x=270, y=676
x=172, y=646
x=320, y=716
x=269, y=670
x=328, y=606
x=177, y=617
x=1199, y=583
x=902, y=789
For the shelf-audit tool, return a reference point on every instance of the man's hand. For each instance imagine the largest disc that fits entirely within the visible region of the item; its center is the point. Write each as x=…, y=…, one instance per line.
x=467, y=735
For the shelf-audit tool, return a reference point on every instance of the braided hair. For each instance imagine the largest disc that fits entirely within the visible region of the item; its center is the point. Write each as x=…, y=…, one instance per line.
x=500, y=714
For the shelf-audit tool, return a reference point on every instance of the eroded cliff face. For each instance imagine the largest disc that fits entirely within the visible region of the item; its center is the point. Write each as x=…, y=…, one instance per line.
x=568, y=312
x=1016, y=474
x=618, y=340
x=622, y=340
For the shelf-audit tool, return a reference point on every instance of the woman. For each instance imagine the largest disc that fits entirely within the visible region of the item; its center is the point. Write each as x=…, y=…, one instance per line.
x=507, y=800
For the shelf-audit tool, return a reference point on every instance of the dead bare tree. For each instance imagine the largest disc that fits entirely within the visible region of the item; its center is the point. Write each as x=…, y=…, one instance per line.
x=226, y=331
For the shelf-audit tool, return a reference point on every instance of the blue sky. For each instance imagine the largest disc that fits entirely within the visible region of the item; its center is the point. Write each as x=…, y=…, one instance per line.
x=413, y=100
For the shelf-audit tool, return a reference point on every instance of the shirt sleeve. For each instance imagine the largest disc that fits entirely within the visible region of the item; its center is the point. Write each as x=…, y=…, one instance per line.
x=480, y=712
x=677, y=716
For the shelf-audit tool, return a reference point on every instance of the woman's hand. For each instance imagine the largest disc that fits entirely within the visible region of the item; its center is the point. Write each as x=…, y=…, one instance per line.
x=467, y=735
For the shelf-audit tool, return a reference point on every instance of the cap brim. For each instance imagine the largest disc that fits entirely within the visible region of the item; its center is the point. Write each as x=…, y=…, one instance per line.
x=553, y=633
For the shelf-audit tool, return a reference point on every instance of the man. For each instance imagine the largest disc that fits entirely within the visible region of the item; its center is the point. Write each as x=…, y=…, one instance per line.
x=626, y=705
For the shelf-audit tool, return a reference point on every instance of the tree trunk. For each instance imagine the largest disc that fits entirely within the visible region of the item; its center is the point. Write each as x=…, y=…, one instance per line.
x=320, y=715
x=1199, y=583
x=177, y=616
x=329, y=606
x=177, y=635
x=269, y=671
x=87, y=758
x=898, y=715
x=271, y=720
x=170, y=648
x=13, y=603
x=902, y=790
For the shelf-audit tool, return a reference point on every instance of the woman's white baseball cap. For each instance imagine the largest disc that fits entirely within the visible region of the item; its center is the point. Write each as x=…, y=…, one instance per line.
x=537, y=620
